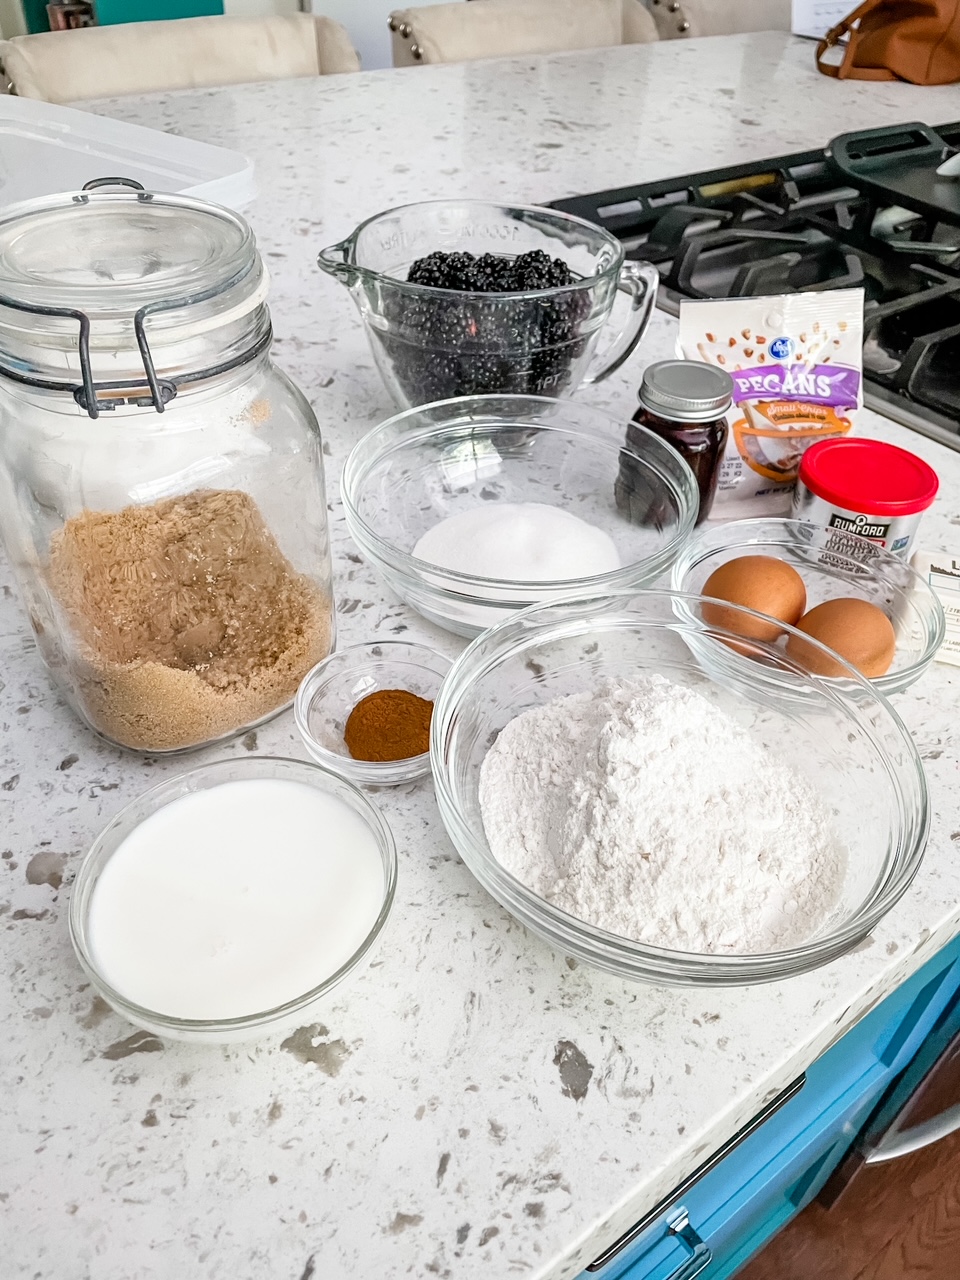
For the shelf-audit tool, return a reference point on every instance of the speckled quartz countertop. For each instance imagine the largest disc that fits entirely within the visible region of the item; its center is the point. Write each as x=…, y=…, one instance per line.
x=476, y=1105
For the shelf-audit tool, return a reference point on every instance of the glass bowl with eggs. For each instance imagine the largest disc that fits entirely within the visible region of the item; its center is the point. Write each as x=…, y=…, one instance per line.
x=473, y=508
x=666, y=819
x=864, y=603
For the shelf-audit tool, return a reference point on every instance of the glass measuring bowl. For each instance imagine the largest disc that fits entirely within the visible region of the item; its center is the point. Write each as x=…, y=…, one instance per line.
x=432, y=344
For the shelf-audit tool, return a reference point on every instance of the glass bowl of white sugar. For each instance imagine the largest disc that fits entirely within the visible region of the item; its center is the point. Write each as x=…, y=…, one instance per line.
x=653, y=813
x=471, y=509
x=228, y=902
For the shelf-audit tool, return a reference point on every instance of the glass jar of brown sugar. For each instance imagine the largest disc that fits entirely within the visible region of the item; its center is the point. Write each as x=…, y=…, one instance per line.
x=161, y=480
x=685, y=403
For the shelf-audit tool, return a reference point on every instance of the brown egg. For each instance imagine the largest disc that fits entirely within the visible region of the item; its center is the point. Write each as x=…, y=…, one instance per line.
x=856, y=629
x=763, y=583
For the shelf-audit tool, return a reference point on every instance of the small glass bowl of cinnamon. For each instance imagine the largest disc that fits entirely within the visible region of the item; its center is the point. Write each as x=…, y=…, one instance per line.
x=364, y=712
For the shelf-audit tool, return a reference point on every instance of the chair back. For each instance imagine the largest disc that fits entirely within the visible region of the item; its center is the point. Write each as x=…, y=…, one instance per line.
x=186, y=53
x=676, y=19
x=508, y=28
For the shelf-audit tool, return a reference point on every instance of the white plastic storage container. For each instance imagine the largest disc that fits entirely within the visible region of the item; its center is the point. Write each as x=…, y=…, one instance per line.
x=46, y=149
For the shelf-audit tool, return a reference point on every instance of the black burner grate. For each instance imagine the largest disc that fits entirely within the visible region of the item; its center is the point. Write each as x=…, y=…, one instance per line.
x=797, y=223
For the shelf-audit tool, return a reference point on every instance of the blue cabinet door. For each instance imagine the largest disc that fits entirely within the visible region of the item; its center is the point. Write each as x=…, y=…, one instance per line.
x=723, y=1216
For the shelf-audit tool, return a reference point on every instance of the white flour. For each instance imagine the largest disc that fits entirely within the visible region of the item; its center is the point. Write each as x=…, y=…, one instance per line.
x=645, y=810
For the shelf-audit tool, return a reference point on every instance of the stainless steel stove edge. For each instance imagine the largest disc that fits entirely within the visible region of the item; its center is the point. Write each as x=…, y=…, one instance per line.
x=927, y=422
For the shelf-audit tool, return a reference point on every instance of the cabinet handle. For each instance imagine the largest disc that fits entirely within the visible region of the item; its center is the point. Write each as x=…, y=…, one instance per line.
x=897, y=1143
x=678, y=1224
x=653, y=1215
x=940, y=1050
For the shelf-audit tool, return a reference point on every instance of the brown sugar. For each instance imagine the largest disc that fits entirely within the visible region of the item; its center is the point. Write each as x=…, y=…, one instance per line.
x=188, y=620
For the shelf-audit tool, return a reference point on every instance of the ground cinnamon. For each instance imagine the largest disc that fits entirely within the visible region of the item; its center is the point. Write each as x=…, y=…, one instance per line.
x=390, y=724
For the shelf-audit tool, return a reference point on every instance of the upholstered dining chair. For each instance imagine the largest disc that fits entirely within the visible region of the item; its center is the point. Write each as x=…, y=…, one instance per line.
x=676, y=19
x=187, y=53
x=504, y=28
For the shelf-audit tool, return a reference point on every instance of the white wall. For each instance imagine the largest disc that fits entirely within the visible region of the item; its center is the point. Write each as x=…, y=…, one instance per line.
x=366, y=21
x=12, y=21
x=259, y=8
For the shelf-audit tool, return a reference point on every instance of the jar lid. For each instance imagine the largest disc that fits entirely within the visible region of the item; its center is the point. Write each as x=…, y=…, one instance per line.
x=686, y=390
x=110, y=251
x=869, y=476
x=120, y=290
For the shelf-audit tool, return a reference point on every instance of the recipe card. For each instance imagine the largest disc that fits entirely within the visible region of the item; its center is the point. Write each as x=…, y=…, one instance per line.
x=814, y=18
x=942, y=572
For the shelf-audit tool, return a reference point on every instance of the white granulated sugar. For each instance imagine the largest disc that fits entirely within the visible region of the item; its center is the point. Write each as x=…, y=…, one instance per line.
x=645, y=810
x=525, y=541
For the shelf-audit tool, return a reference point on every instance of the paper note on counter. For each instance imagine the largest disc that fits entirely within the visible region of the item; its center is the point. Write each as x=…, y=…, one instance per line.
x=943, y=574
x=814, y=18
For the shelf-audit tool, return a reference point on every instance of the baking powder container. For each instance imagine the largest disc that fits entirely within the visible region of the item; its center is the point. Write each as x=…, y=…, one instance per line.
x=866, y=487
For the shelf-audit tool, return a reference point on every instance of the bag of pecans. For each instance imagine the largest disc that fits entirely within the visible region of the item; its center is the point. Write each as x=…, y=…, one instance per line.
x=796, y=364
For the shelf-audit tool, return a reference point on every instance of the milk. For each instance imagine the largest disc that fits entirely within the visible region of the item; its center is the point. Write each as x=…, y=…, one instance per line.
x=236, y=899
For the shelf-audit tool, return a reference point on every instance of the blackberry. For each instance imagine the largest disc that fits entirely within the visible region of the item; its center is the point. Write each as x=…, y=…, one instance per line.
x=441, y=270
x=535, y=270
x=440, y=347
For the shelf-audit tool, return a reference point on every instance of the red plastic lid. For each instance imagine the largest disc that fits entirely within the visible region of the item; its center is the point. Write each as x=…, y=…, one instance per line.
x=869, y=476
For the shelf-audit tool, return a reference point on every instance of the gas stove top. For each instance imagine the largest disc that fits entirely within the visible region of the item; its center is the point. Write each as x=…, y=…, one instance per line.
x=867, y=211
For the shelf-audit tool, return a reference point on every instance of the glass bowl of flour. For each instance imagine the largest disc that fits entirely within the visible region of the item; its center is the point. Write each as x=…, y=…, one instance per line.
x=474, y=508
x=654, y=814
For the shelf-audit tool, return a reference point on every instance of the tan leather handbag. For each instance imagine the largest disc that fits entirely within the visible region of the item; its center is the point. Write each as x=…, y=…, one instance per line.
x=915, y=40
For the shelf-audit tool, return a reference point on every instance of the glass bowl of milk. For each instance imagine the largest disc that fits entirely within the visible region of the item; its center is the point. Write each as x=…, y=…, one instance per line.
x=473, y=508
x=226, y=903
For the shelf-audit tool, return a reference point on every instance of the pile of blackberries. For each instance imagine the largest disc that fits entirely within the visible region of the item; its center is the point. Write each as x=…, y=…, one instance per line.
x=455, y=343
x=491, y=273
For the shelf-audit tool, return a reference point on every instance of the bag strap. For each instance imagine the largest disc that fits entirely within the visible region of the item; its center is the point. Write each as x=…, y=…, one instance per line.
x=845, y=70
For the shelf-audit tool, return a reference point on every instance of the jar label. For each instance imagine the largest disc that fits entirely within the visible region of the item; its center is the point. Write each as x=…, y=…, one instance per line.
x=821, y=384
x=862, y=526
